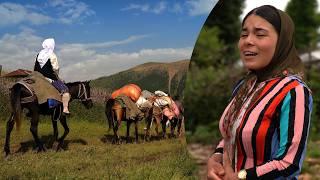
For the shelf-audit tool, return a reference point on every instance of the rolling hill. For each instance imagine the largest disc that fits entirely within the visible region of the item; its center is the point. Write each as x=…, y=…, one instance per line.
x=150, y=76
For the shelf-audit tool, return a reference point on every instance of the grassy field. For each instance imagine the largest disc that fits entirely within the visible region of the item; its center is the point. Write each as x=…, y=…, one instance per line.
x=89, y=154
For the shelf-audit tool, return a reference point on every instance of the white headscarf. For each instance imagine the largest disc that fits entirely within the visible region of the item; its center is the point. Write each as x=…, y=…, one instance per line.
x=45, y=53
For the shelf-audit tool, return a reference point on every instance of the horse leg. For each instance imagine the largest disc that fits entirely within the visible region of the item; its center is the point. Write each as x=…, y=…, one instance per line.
x=146, y=131
x=115, y=125
x=55, y=129
x=54, y=118
x=55, y=133
x=34, y=130
x=173, y=126
x=10, y=125
x=128, y=129
x=157, y=122
x=164, y=128
x=147, y=134
x=136, y=130
x=180, y=120
x=63, y=122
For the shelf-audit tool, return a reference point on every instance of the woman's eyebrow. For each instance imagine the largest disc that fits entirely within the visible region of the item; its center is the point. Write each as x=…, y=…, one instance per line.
x=260, y=30
x=244, y=29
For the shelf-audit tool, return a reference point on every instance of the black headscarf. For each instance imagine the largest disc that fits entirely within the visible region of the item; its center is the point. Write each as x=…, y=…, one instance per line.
x=285, y=60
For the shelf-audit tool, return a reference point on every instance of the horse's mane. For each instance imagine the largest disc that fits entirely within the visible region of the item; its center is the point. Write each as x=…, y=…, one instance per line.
x=74, y=83
x=77, y=82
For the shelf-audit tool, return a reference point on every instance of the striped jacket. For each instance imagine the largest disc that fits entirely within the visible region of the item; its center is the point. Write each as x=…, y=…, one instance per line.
x=272, y=136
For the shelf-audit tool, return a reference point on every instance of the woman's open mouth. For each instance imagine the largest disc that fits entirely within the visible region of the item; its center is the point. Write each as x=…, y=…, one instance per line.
x=249, y=53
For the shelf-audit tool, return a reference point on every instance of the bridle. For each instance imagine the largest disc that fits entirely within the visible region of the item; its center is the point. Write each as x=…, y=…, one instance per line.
x=82, y=92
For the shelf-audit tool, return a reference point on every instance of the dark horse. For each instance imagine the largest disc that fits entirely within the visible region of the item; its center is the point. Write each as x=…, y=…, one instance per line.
x=78, y=90
x=115, y=115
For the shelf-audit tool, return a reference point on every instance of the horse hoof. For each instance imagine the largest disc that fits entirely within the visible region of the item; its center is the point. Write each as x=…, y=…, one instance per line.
x=59, y=147
x=6, y=154
x=6, y=151
x=55, y=145
x=172, y=136
x=41, y=149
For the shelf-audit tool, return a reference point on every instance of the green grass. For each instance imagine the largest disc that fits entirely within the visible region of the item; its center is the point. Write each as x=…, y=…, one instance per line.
x=89, y=154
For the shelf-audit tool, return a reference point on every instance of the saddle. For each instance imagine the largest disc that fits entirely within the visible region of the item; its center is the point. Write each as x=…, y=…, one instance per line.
x=40, y=88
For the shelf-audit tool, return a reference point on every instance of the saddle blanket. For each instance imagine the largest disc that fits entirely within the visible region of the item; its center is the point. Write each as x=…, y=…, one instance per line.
x=132, y=110
x=41, y=88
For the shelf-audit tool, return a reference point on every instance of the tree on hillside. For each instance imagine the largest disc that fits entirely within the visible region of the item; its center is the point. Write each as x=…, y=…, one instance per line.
x=208, y=49
x=225, y=16
x=306, y=19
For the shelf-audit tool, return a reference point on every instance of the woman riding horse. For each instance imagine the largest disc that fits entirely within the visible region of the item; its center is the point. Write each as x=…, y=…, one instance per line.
x=78, y=90
x=47, y=64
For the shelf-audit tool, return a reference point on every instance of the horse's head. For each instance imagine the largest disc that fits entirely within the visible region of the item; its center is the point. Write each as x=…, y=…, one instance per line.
x=86, y=100
x=81, y=91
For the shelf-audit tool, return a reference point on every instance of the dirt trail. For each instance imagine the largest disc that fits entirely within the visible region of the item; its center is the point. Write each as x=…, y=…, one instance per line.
x=201, y=154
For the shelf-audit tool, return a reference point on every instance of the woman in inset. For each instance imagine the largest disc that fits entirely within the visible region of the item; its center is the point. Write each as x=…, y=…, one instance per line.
x=47, y=64
x=266, y=124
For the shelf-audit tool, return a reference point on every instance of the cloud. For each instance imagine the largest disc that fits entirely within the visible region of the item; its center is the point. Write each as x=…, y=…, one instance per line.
x=144, y=8
x=82, y=61
x=192, y=7
x=93, y=65
x=200, y=7
x=65, y=12
x=70, y=11
x=19, y=51
x=177, y=8
x=106, y=44
x=12, y=14
x=156, y=9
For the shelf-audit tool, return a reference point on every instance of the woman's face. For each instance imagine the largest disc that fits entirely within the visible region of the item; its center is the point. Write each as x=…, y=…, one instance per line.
x=257, y=42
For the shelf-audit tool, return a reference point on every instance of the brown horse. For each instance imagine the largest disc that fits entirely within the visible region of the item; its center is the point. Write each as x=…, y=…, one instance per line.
x=154, y=116
x=115, y=115
x=157, y=117
x=78, y=90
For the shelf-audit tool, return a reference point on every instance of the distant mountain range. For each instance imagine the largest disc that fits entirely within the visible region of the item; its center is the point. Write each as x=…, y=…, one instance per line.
x=167, y=77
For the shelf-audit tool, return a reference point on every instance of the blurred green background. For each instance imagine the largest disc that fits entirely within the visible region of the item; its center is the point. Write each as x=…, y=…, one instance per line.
x=216, y=67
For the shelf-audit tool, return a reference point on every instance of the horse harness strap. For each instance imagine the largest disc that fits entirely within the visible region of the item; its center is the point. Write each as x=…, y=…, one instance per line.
x=122, y=103
x=83, y=93
x=29, y=98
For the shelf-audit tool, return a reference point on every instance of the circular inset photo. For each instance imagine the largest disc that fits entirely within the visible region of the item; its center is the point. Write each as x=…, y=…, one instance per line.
x=250, y=97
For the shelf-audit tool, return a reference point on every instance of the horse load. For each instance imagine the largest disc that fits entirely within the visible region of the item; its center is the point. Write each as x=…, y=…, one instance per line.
x=131, y=90
x=130, y=104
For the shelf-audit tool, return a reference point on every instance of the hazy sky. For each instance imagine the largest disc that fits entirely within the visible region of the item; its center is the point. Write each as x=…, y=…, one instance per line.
x=98, y=38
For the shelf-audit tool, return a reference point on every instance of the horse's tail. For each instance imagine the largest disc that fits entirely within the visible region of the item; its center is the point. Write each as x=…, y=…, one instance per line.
x=108, y=111
x=16, y=105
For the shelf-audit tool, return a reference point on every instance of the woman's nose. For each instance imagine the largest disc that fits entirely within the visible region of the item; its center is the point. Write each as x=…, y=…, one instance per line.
x=249, y=40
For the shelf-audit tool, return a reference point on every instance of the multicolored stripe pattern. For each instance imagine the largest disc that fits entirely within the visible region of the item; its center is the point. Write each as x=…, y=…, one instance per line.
x=271, y=139
x=272, y=136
